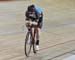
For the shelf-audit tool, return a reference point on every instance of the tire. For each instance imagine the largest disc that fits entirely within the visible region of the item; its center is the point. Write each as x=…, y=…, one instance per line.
x=34, y=46
x=34, y=50
x=28, y=46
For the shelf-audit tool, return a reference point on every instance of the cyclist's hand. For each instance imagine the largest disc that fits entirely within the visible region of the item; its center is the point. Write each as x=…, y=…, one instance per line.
x=34, y=23
x=27, y=24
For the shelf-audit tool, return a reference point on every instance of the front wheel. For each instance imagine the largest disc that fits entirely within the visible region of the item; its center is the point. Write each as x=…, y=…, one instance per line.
x=28, y=44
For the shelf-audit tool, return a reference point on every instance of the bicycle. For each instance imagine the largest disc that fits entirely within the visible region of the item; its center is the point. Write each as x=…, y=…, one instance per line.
x=30, y=41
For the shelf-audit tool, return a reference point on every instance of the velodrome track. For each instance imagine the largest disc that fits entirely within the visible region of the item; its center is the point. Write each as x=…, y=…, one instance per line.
x=57, y=39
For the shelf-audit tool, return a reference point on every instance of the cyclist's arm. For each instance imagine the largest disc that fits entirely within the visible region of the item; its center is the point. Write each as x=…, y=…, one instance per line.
x=27, y=16
x=27, y=19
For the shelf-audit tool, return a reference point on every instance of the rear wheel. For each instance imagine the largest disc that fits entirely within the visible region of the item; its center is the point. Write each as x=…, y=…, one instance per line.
x=34, y=48
x=34, y=45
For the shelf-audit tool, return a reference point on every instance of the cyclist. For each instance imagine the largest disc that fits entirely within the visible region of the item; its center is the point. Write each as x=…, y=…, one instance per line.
x=35, y=14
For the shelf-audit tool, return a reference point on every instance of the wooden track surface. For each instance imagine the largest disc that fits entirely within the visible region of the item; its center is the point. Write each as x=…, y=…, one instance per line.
x=57, y=39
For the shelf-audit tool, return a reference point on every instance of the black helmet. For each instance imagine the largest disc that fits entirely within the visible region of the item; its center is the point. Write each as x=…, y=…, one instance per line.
x=32, y=5
x=31, y=8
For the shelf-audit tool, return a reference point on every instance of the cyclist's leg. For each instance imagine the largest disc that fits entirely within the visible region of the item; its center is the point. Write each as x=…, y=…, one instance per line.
x=36, y=38
x=38, y=32
x=38, y=29
x=37, y=35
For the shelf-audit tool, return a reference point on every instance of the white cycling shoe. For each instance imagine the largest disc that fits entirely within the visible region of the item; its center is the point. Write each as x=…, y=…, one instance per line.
x=37, y=47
